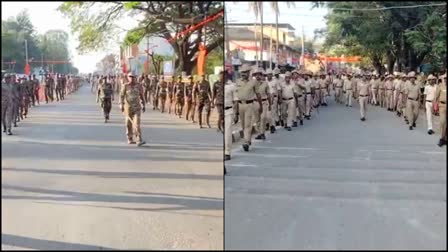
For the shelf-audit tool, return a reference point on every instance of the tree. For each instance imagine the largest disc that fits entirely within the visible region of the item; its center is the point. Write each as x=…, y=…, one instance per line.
x=108, y=64
x=159, y=18
x=402, y=36
x=274, y=6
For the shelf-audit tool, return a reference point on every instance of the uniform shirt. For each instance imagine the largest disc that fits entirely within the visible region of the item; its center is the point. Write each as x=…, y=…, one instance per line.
x=288, y=90
x=306, y=85
x=229, y=93
x=274, y=87
x=389, y=85
x=263, y=89
x=131, y=97
x=375, y=84
x=381, y=85
x=430, y=92
x=397, y=85
x=348, y=84
x=412, y=91
x=299, y=86
x=338, y=83
x=322, y=84
x=440, y=94
x=246, y=90
x=218, y=91
x=363, y=87
x=188, y=90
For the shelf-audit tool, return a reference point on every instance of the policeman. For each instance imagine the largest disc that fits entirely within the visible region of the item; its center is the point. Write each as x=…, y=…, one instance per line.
x=289, y=97
x=362, y=92
x=247, y=93
x=229, y=99
x=440, y=99
x=412, y=93
x=348, y=90
x=274, y=89
x=7, y=104
x=263, y=91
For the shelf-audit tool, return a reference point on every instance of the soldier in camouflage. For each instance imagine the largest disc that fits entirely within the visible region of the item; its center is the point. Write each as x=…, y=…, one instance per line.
x=204, y=97
x=7, y=104
x=162, y=90
x=105, y=93
x=179, y=93
x=132, y=103
x=218, y=100
x=189, y=98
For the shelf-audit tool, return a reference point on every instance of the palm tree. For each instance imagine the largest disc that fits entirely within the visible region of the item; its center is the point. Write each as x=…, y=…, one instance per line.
x=274, y=7
x=257, y=8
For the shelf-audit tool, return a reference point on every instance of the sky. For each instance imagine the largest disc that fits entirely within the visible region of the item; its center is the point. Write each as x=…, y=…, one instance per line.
x=301, y=14
x=44, y=17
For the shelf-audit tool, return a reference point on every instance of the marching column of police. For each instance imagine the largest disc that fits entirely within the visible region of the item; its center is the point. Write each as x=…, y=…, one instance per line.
x=267, y=100
x=20, y=94
x=173, y=95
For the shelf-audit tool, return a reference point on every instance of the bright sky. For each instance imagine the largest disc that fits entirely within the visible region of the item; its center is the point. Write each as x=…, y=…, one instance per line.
x=301, y=14
x=44, y=17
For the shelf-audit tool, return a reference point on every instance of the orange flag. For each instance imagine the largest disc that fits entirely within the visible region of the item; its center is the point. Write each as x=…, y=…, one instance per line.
x=201, y=59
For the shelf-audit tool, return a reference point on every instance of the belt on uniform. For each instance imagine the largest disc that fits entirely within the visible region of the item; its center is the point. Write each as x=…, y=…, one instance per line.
x=229, y=107
x=443, y=102
x=348, y=89
x=323, y=88
x=265, y=99
x=275, y=96
x=428, y=101
x=308, y=93
x=287, y=99
x=412, y=99
x=363, y=95
x=246, y=102
x=388, y=89
x=299, y=96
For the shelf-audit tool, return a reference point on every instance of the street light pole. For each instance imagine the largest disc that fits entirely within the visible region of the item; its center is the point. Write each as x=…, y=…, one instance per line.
x=26, y=51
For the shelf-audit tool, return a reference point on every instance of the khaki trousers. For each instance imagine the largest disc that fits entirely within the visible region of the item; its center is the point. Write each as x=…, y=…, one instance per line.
x=412, y=111
x=363, y=105
x=442, y=114
x=348, y=97
x=228, y=118
x=246, y=113
x=290, y=106
x=301, y=107
x=263, y=117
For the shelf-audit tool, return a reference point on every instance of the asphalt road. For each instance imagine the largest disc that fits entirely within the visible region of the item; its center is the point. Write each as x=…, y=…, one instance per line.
x=338, y=183
x=69, y=181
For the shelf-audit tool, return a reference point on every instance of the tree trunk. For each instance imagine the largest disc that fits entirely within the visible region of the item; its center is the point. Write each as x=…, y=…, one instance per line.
x=390, y=63
x=262, y=37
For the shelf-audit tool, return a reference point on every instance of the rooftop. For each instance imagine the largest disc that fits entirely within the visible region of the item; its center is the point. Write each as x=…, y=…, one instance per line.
x=264, y=24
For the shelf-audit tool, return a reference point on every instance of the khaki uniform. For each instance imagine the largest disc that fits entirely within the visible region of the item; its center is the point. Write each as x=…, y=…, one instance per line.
x=429, y=96
x=348, y=90
x=389, y=86
x=323, y=91
x=229, y=96
x=315, y=84
x=246, y=93
x=338, y=83
x=381, y=93
x=440, y=98
x=374, y=84
x=288, y=97
x=363, y=88
x=306, y=87
x=300, y=99
x=274, y=88
x=162, y=90
x=262, y=118
x=132, y=100
x=412, y=106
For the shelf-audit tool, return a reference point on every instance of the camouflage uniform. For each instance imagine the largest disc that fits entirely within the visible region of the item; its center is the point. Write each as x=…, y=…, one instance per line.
x=153, y=90
x=189, y=99
x=25, y=98
x=7, y=105
x=147, y=88
x=179, y=93
x=132, y=103
x=162, y=89
x=204, y=93
x=218, y=97
x=105, y=94
x=58, y=88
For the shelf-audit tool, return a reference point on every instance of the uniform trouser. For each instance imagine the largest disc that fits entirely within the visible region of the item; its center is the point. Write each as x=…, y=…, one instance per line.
x=389, y=99
x=163, y=101
x=48, y=94
x=381, y=97
x=246, y=114
x=147, y=95
x=36, y=96
x=396, y=100
x=428, y=106
x=337, y=94
x=363, y=105
x=291, y=110
x=228, y=130
x=284, y=111
x=155, y=100
x=273, y=114
x=256, y=116
x=133, y=125
x=263, y=117
x=308, y=104
x=24, y=106
x=179, y=105
x=348, y=97
x=374, y=96
x=442, y=114
x=412, y=110
x=220, y=109
x=58, y=94
x=191, y=108
x=15, y=111
x=106, y=104
x=323, y=96
x=400, y=103
x=300, y=107
x=317, y=97
x=7, y=115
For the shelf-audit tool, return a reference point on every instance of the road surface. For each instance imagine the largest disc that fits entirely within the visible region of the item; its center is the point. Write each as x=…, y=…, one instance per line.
x=338, y=183
x=69, y=181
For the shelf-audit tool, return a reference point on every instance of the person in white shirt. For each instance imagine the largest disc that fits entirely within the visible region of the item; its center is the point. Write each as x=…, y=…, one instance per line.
x=229, y=99
x=429, y=93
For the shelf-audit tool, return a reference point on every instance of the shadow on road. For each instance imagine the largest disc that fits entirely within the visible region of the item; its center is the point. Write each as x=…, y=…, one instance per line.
x=40, y=244
x=61, y=195
x=102, y=174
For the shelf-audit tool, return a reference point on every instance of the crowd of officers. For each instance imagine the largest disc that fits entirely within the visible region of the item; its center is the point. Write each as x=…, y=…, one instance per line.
x=267, y=100
x=178, y=95
x=21, y=93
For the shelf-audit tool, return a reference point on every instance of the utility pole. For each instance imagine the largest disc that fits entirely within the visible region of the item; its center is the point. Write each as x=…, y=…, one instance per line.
x=270, y=49
x=262, y=35
x=303, y=47
x=26, y=51
x=147, y=54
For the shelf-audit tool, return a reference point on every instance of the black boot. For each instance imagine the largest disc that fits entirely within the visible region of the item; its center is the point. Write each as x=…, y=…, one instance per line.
x=282, y=123
x=263, y=136
x=272, y=129
x=259, y=137
x=288, y=128
x=277, y=123
x=441, y=142
x=9, y=132
x=301, y=122
x=294, y=124
x=226, y=157
x=246, y=147
x=430, y=132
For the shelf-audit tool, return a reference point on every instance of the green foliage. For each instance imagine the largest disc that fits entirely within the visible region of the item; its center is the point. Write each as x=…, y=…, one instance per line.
x=214, y=59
